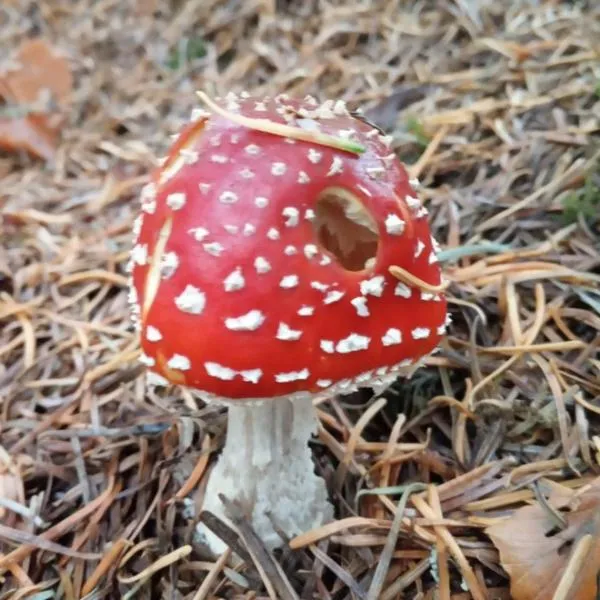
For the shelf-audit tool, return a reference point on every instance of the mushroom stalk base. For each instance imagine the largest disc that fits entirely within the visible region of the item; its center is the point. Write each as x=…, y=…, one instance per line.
x=266, y=466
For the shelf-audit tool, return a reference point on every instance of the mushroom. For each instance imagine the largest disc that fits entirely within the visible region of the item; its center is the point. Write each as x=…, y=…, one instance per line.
x=281, y=256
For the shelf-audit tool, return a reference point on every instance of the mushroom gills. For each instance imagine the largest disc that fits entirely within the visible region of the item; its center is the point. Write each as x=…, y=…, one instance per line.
x=345, y=228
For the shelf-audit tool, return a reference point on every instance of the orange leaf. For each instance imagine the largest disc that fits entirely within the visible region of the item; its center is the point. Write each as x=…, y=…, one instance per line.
x=536, y=554
x=37, y=67
x=29, y=134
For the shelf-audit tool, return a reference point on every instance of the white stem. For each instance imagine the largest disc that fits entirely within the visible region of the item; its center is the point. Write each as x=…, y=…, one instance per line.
x=267, y=466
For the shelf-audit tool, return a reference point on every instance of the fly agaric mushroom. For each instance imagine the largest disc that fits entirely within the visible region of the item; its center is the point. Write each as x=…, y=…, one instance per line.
x=281, y=255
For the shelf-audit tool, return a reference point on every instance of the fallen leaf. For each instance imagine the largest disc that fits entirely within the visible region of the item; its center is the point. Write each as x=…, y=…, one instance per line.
x=29, y=134
x=36, y=87
x=36, y=67
x=535, y=552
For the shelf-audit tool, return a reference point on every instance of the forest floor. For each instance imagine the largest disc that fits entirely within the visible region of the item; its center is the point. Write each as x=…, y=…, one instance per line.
x=495, y=107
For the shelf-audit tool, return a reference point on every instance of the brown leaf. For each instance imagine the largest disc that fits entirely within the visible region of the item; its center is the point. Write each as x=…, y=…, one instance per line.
x=536, y=553
x=39, y=85
x=37, y=67
x=29, y=134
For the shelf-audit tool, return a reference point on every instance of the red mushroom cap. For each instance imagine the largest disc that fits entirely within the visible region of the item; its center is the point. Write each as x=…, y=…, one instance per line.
x=261, y=265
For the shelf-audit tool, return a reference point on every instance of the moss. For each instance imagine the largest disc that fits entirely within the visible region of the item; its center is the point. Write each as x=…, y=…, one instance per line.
x=584, y=202
x=187, y=50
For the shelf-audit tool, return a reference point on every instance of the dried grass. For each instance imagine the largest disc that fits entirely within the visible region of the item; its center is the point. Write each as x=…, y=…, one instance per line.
x=495, y=106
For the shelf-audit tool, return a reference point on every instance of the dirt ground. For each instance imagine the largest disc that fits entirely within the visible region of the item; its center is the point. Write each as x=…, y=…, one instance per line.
x=495, y=107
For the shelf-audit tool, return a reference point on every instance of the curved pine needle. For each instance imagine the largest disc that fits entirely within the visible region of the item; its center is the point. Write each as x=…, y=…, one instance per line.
x=406, y=277
x=267, y=126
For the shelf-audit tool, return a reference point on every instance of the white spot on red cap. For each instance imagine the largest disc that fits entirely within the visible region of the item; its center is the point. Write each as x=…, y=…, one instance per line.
x=249, y=229
x=303, y=177
x=176, y=200
x=199, y=233
x=285, y=332
x=290, y=250
x=441, y=330
x=204, y=188
x=394, y=225
x=153, y=334
x=314, y=156
x=373, y=286
x=432, y=258
x=214, y=248
x=427, y=296
x=420, y=333
x=251, y=375
x=219, y=159
x=261, y=264
x=199, y=114
x=154, y=379
x=363, y=377
x=251, y=321
x=324, y=383
x=309, y=214
x=317, y=285
x=289, y=281
x=179, y=363
x=247, y=173
x=234, y=281
x=278, y=168
x=353, y=343
x=261, y=202
x=273, y=233
x=339, y=108
x=136, y=226
x=327, y=346
x=190, y=157
x=168, y=264
x=325, y=260
x=147, y=360
x=419, y=249
x=292, y=215
x=333, y=296
x=413, y=203
x=310, y=251
x=233, y=229
x=337, y=166
x=306, y=311
x=139, y=254
x=402, y=290
x=347, y=134
x=292, y=376
x=215, y=140
x=260, y=107
x=191, y=300
x=228, y=197
x=219, y=371
x=360, y=303
x=252, y=149
x=392, y=336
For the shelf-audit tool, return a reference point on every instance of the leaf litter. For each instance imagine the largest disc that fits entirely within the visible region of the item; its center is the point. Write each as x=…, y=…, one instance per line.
x=495, y=108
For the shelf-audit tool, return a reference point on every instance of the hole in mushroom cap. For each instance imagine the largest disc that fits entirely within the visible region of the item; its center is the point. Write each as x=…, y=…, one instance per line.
x=154, y=275
x=345, y=228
